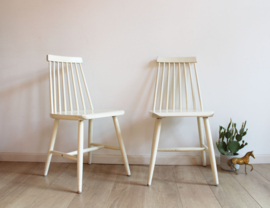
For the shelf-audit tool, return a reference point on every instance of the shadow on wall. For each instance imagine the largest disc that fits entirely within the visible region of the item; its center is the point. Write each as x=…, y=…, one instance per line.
x=136, y=124
x=24, y=111
x=26, y=126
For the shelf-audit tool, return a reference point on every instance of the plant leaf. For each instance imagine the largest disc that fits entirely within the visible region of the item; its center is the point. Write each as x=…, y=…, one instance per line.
x=238, y=137
x=222, y=147
x=234, y=146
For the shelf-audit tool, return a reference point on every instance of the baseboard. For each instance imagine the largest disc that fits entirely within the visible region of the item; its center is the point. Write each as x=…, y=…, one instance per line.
x=117, y=159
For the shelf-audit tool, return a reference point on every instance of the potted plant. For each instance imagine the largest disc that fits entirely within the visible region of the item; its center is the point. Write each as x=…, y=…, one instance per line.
x=230, y=142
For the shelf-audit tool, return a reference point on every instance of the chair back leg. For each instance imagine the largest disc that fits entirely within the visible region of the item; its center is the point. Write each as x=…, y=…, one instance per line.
x=90, y=139
x=51, y=147
x=154, y=150
x=80, y=156
x=211, y=150
x=121, y=144
x=200, y=130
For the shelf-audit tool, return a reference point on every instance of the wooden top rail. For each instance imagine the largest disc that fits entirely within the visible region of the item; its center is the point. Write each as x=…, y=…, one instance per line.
x=177, y=59
x=64, y=59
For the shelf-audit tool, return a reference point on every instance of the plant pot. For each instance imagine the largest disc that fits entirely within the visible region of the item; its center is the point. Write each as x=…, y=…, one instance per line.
x=224, y=162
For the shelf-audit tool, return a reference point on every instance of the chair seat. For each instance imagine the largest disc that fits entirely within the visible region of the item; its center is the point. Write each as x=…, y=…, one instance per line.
x=180, y=113
x=86, y=114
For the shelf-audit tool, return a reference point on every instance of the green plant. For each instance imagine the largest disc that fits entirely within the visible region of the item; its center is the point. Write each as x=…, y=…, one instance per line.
x=230, y=139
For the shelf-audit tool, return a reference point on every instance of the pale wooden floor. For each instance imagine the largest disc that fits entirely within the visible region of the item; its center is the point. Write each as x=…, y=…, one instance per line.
x=23, y=185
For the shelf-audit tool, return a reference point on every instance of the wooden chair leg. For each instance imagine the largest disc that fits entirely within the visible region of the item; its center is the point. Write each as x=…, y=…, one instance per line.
x=211, y=150
x=90, y=139
x=80, y=157
x=154, y=150
x=200, y=130
x=51, y=147
x=121, y=144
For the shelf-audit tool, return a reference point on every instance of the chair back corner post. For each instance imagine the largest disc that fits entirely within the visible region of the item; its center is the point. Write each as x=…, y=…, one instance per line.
x=161, y=89
x=59, y=89
x=156, y=88
x=80, y=87
x=51, y=88
x=74, y=86
x=198, y=87
x=86, y=88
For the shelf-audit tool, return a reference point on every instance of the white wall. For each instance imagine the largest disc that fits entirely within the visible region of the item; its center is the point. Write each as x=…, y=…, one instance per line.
x=119, y=42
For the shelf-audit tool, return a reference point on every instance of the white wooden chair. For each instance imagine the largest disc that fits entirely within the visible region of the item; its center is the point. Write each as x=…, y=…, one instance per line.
x=179, y=76
x=66, y=74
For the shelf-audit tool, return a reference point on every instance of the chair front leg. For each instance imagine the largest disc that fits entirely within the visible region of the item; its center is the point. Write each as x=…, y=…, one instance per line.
x=154, y=150
x=121, y=144
x=211, y=150
x=80, y=157
x=200, y=130
x=90, y=139
x=51, y=147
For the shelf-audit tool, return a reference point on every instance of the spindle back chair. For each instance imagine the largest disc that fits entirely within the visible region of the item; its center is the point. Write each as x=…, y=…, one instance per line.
x=65, y=75
x=177, y=94
x=67, y=71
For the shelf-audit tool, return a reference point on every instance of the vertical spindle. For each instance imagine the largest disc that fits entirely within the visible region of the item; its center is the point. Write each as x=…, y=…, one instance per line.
x=198, y=87
x=59, y=90
x=168, y=88
x=74, y=87
x=51, y=88
x=180, y=89
x=173, y=86
x=80, y=88
x=192, y=90
x=54, y=88
x=156, y=88
x=87, y=91
x=63, y=85
x=69, y=91
x=185, y=79
x=161, y=90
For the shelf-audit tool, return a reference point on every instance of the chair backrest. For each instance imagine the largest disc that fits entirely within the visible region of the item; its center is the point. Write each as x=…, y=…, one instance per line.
x=61, y=78
x=179, y=76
